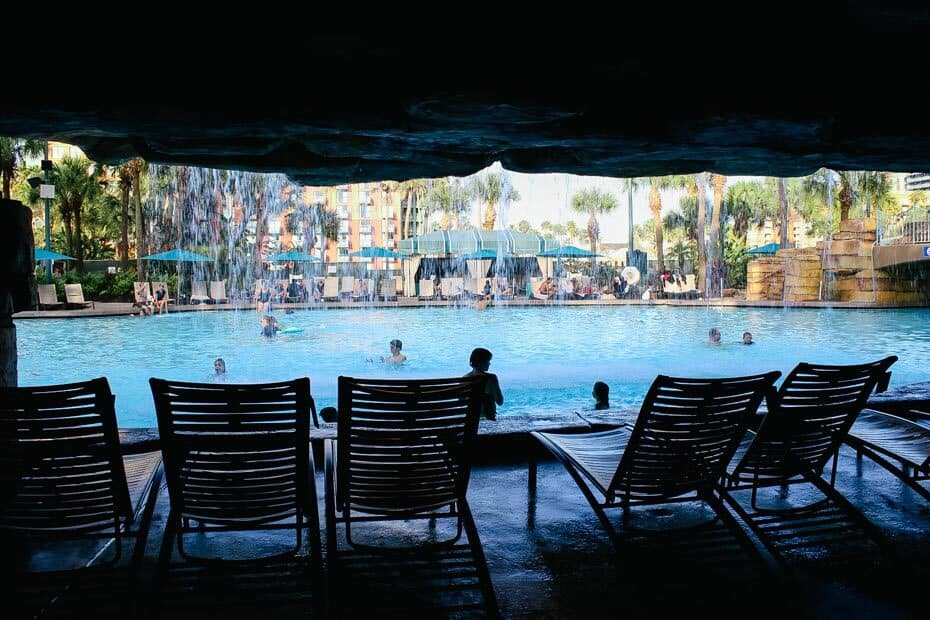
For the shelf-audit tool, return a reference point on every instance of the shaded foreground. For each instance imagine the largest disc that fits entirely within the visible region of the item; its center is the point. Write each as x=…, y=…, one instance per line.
x=549, y=557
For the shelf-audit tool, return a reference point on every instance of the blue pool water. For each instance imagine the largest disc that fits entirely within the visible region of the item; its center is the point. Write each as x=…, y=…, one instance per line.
x=545, y=357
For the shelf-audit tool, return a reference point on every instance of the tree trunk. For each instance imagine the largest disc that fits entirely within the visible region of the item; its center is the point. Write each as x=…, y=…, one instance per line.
x=655, y=205
x=699, y=233
x=259, y=236
x=69, y=232
x=6, y=186
x=846, y=200
x=718, y=182
x=140, y=228
x=406, y=232
x=490, y=216
x=78, y=240
x=124, y=227
x=783, y=213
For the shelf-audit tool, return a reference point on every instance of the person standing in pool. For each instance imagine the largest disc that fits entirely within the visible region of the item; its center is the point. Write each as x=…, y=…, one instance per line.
x=396, y=357
x=219, y=370
x=270, y=326
x=480, y=361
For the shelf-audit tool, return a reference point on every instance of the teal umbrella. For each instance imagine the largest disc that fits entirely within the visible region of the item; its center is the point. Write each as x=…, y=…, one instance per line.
x=377, y=252
x=769, y=248
x=42, y=254
x=179, y=256
x=293, y=256
x=568, y=251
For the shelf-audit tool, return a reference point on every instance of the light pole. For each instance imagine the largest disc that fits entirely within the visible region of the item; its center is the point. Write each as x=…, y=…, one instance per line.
x=47, y=191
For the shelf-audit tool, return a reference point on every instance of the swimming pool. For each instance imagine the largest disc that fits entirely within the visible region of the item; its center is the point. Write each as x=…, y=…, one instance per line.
x=545, y=357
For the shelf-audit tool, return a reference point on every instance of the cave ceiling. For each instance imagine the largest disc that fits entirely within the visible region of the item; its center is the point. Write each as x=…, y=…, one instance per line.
x=618, y=90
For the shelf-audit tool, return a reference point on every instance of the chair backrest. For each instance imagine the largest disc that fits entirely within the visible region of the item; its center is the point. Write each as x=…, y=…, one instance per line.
x=48, y=296
x=142, y=292
x=74, y=293
x=388, y=288
x=686, y=433
x=426, y=288
x=235, y=454
x=404, y=445
x=218, y=290
x=61, y=472
x=199, y=290
x=347, y=285
x=808, y=418
x=330, y=287
x=157, y=285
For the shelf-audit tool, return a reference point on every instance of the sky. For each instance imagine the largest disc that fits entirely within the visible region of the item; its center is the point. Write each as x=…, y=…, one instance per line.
x=548, y=197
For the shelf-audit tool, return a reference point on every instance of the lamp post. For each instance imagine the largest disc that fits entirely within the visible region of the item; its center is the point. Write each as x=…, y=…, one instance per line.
x=47, y=191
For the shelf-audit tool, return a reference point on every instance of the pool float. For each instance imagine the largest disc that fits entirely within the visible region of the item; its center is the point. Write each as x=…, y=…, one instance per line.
x=291, y=330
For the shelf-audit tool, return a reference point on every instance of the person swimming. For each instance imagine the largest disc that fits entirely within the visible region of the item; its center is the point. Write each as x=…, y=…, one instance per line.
x=601, y=394
x=713, y=336
x=396, y=356
x=747, y=338
x=270, y=326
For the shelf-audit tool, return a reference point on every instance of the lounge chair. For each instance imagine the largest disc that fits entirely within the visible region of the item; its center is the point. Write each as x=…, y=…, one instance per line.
x=403, y=453
x=389, y=289
x=236, y=459
x=686, y=432
x=807, y=421
x=218, y=291
x=899, y=445
x=331, y=288
x=168, y=298
x=48, y=297
x=427, y=290
x=64, y=478
x=74, y=297
x=364, y=290
x=346, y=287
x=142, y=293
x=199, y=292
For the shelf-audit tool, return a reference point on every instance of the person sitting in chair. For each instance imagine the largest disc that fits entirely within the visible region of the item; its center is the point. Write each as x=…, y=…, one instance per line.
x=161, y=299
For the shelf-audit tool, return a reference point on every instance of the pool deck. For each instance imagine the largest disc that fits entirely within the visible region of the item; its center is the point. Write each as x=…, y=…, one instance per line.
x=126, y=309
x=549, y=557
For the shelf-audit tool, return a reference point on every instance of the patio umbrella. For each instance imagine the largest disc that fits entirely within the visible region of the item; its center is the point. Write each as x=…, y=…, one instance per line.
x=568, y=251
x=378, y=252
x=769, y=248
x=293, y=256
x=179, y=256
x=43, y=255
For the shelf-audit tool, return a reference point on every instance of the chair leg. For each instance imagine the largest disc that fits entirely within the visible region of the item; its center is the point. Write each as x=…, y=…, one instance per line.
x=484, y=575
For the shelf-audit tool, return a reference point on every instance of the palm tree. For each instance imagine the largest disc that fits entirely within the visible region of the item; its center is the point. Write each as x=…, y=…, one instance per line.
x=656, y=186
x=451, y=198
x=875, y=187
x=13, y=152
x=918, y=198
x=718, y=182
x=593, y=201
x=748, y=202
x=489, y=189
x=416, y=189
x=573, y=232
x=783, y=238
x=75, y=180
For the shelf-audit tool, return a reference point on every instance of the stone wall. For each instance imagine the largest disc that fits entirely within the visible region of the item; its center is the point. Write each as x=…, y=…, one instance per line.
x=844, y=274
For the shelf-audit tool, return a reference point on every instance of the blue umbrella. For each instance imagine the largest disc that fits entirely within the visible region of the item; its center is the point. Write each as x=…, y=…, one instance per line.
x=182, y=256
x=293, y=256
x=377, y=252
x=769, y=248
x=568, y=251
x=42, y=254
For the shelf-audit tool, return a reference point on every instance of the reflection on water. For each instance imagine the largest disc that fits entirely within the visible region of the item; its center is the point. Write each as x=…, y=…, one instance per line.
x=547, y=358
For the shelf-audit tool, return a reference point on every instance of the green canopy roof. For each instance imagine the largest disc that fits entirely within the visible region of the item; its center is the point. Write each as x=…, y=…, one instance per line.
x=458, y=242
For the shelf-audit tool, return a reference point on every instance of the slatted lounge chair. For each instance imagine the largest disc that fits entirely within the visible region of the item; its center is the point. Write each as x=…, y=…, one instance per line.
x=807, y=421
x=427, y=290
x=236, y=458
x=199, y=292
x=899, y=445
x=331, y=288
x=218, y=291
x=346, y=287
x=62, y=475
x=388, y=289
x=142, y=293
x=403, y=453
x=686, y=432
x=74, y=296
x=48, y=297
